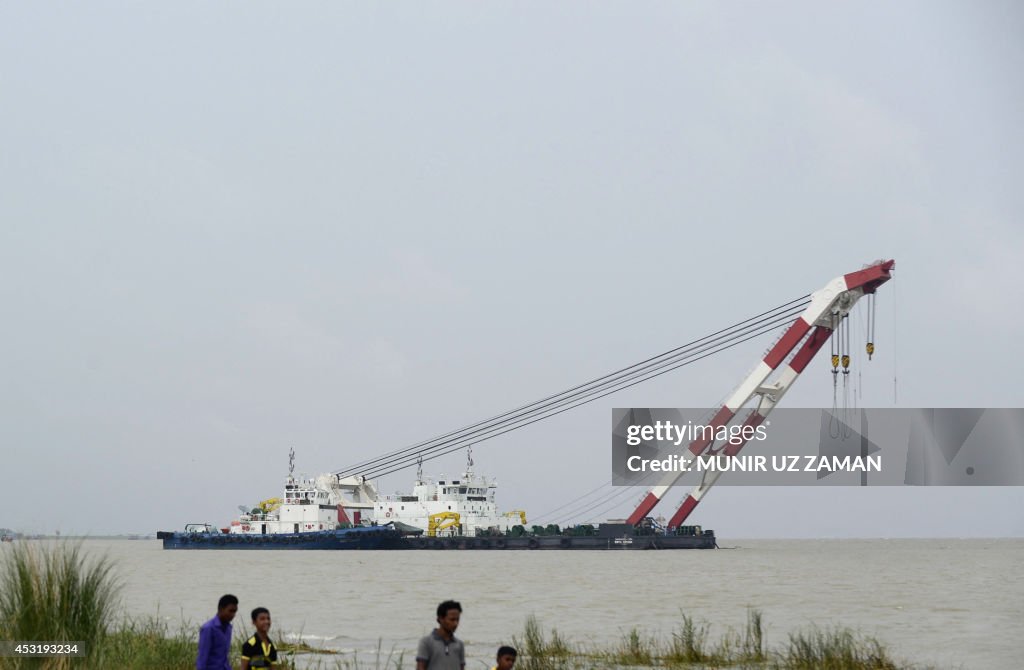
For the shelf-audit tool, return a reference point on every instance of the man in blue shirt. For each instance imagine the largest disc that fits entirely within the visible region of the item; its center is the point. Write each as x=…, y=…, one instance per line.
x=215, y=636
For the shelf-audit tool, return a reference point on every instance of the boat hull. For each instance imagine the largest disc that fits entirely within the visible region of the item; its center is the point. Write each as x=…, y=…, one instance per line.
x=386, y=540
x=563, y=543
x=357, y=538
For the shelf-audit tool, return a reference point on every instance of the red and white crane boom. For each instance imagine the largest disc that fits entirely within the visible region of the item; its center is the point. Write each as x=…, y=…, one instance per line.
x=828, y=306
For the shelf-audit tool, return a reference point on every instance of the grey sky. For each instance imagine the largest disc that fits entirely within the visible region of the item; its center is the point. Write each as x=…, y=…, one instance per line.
x=230, y=229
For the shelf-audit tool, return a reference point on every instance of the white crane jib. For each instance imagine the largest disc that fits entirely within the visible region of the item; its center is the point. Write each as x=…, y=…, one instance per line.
x=828, y=307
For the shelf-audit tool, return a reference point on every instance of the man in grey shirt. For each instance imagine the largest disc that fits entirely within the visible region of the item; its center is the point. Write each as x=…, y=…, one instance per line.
x=441, y=650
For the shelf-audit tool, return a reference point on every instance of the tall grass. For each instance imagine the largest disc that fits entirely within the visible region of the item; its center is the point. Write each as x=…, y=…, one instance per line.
x=53, y=592
x=753, y=643
x=835, y=649
x=689, y=643
x=635, y=649
x=537, y=652
x=148, y=643
x=690, y=648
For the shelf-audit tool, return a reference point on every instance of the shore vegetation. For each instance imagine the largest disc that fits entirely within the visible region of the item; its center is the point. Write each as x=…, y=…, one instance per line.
x=53, y=591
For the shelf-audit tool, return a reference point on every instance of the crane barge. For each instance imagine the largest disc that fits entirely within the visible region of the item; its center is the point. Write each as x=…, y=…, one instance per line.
x=334, y=511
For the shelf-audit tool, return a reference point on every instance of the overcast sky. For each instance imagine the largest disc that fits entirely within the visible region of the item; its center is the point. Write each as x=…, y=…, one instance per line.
x=228, y=229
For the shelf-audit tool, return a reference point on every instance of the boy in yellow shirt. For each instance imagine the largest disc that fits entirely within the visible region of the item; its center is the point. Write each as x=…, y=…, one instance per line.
x=258, y=651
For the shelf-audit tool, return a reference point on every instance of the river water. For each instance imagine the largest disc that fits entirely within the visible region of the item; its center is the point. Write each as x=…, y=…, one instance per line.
x=947, y=603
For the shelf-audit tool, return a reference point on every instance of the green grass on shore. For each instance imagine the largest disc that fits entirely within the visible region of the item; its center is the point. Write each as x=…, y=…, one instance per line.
x=54, y=592
x=690, y=647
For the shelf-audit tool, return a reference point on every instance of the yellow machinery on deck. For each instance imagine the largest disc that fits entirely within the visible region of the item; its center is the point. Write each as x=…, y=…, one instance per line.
x=269, y=505
x=517, y=513
x=444, y=521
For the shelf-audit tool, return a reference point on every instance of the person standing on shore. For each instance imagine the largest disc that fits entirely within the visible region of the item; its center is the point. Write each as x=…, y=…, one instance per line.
x=258, y=651
x=215, y=636
x=441, y=650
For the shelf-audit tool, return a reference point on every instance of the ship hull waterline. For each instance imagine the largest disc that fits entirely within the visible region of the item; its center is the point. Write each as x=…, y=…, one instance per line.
x=387, y=542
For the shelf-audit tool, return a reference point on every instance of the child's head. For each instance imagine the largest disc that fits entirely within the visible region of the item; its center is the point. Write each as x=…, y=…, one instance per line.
x=506, y=658
x=261, y=619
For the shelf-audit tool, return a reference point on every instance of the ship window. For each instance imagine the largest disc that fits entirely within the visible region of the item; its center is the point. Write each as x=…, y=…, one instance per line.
x=462, y=490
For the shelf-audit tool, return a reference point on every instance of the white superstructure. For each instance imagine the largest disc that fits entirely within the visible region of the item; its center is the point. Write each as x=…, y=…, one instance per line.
x=325, y=502
x=469, y=495
x=463, y=505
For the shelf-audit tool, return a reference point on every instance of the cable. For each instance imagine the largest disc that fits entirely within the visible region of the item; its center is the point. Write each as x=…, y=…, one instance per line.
x=539, y=406
x=597, y=509
x=581, y=509
x=595, y=512
x=402, y=462
x=600, y=487
x=563, y=405
x=545, y=404
x=895, y=367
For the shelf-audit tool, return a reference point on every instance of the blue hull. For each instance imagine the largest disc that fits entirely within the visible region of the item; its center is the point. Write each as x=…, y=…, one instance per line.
x=349, y=538
x=389, y=539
